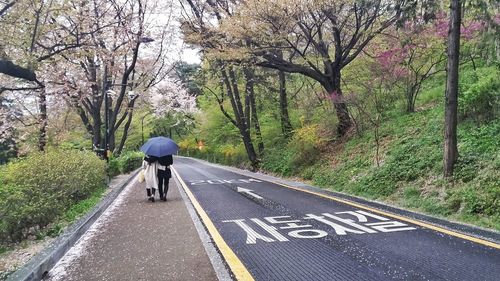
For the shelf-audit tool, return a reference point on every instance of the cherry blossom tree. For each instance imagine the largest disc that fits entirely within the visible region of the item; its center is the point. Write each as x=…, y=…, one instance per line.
x=171, y=96
x=127, y=57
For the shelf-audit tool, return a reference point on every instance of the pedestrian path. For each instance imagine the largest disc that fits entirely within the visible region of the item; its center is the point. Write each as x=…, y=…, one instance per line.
x=139, y=240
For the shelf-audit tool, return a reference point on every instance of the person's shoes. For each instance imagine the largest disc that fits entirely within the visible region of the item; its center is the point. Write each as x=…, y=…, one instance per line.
x=164, y=198
x=152, y=199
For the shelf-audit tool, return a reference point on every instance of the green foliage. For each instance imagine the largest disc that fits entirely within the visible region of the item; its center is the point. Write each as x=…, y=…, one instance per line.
x=75, y=144
x=125, y=163
x=480, y=94
x=8, y=151
x=277, y=160
x=188, y=74
x=409, y=171
x=82, y=207
x=301, y=151
x=480, y=140
x=305, y=145
x=36, y=190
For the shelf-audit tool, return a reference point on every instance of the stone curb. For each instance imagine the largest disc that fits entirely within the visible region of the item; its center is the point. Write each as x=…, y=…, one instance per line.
x=42, y=263
x=471, y=230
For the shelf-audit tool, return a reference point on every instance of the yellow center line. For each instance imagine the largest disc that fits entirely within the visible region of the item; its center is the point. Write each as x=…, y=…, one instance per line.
x=239, y=270
x=416, y=222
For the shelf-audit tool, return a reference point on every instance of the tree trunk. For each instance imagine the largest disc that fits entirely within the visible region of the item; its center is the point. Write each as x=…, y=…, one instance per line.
x=42, y=106
x=451, y=95
x=286, y=125
x=250, y=77
x=341, y=110
x=410, y=101
x=233, y=93
x=125, y=133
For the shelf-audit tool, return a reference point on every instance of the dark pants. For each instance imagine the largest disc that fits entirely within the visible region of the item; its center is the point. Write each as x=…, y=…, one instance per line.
x=163, y=178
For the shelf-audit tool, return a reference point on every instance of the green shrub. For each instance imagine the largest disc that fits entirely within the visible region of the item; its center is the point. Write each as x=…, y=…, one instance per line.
x=277, y=160
x=113, y=167
x=125, y=163
x=304, y=146
x=480, y=95
x=36, y=190
x=130, y=161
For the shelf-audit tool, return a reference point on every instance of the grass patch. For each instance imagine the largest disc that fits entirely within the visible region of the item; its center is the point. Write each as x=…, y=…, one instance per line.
x=84, y=206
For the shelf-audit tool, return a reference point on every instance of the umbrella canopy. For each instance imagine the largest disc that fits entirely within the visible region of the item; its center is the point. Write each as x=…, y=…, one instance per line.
x=159, y=146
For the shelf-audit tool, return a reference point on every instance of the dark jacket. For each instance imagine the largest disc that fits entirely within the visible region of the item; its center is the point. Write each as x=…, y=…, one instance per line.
x=150, y=159
x=165, y=161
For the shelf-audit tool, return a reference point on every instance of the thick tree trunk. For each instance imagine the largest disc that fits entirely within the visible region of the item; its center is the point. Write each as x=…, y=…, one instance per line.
x=111, y=139
x=286, y=125
x=42, y=106
x=247, y=141
x=95, y=112
x=334, y=90
x=451, y=95
x=344, y=118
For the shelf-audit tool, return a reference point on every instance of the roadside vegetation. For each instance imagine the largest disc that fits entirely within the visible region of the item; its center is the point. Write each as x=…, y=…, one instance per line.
x=275, y=112
x=404, y=169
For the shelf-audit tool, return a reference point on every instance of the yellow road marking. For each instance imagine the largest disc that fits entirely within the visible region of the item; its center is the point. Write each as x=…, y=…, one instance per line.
x=426, y=225
x=240, y=271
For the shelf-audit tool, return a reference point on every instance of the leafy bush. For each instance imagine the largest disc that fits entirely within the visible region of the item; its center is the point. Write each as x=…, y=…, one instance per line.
x=232, y=154
x=113, y=167
x=277, y=160
x=36, y=190
x=127, y=162
x=480, y=95
x=305, y=145
x=130, y=161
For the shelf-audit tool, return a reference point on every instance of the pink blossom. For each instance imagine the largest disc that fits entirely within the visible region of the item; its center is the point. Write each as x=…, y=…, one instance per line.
x=472, y=29
x=496, y=19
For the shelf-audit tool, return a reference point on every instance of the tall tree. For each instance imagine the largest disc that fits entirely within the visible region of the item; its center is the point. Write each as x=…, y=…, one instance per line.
x=451, y=95
x=34, y=35
x=320, y=37
x=199, y=29
x=103, y=81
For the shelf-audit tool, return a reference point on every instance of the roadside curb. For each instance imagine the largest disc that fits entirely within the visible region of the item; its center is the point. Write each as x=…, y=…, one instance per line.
x=42, y=263
x=470, y=230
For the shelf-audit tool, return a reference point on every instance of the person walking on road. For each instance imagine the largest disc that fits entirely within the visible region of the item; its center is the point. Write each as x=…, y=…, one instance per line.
x=164, y=175
x=150, y=169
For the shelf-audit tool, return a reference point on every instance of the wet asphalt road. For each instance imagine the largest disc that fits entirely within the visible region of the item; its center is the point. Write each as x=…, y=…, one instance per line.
x=139, y=240
x=283, y=234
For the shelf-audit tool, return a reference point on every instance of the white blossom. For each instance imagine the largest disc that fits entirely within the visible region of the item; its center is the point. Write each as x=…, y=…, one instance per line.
x=171, y=96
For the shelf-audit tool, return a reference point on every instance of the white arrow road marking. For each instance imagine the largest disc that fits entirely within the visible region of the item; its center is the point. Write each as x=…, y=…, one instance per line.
x=249, y=192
